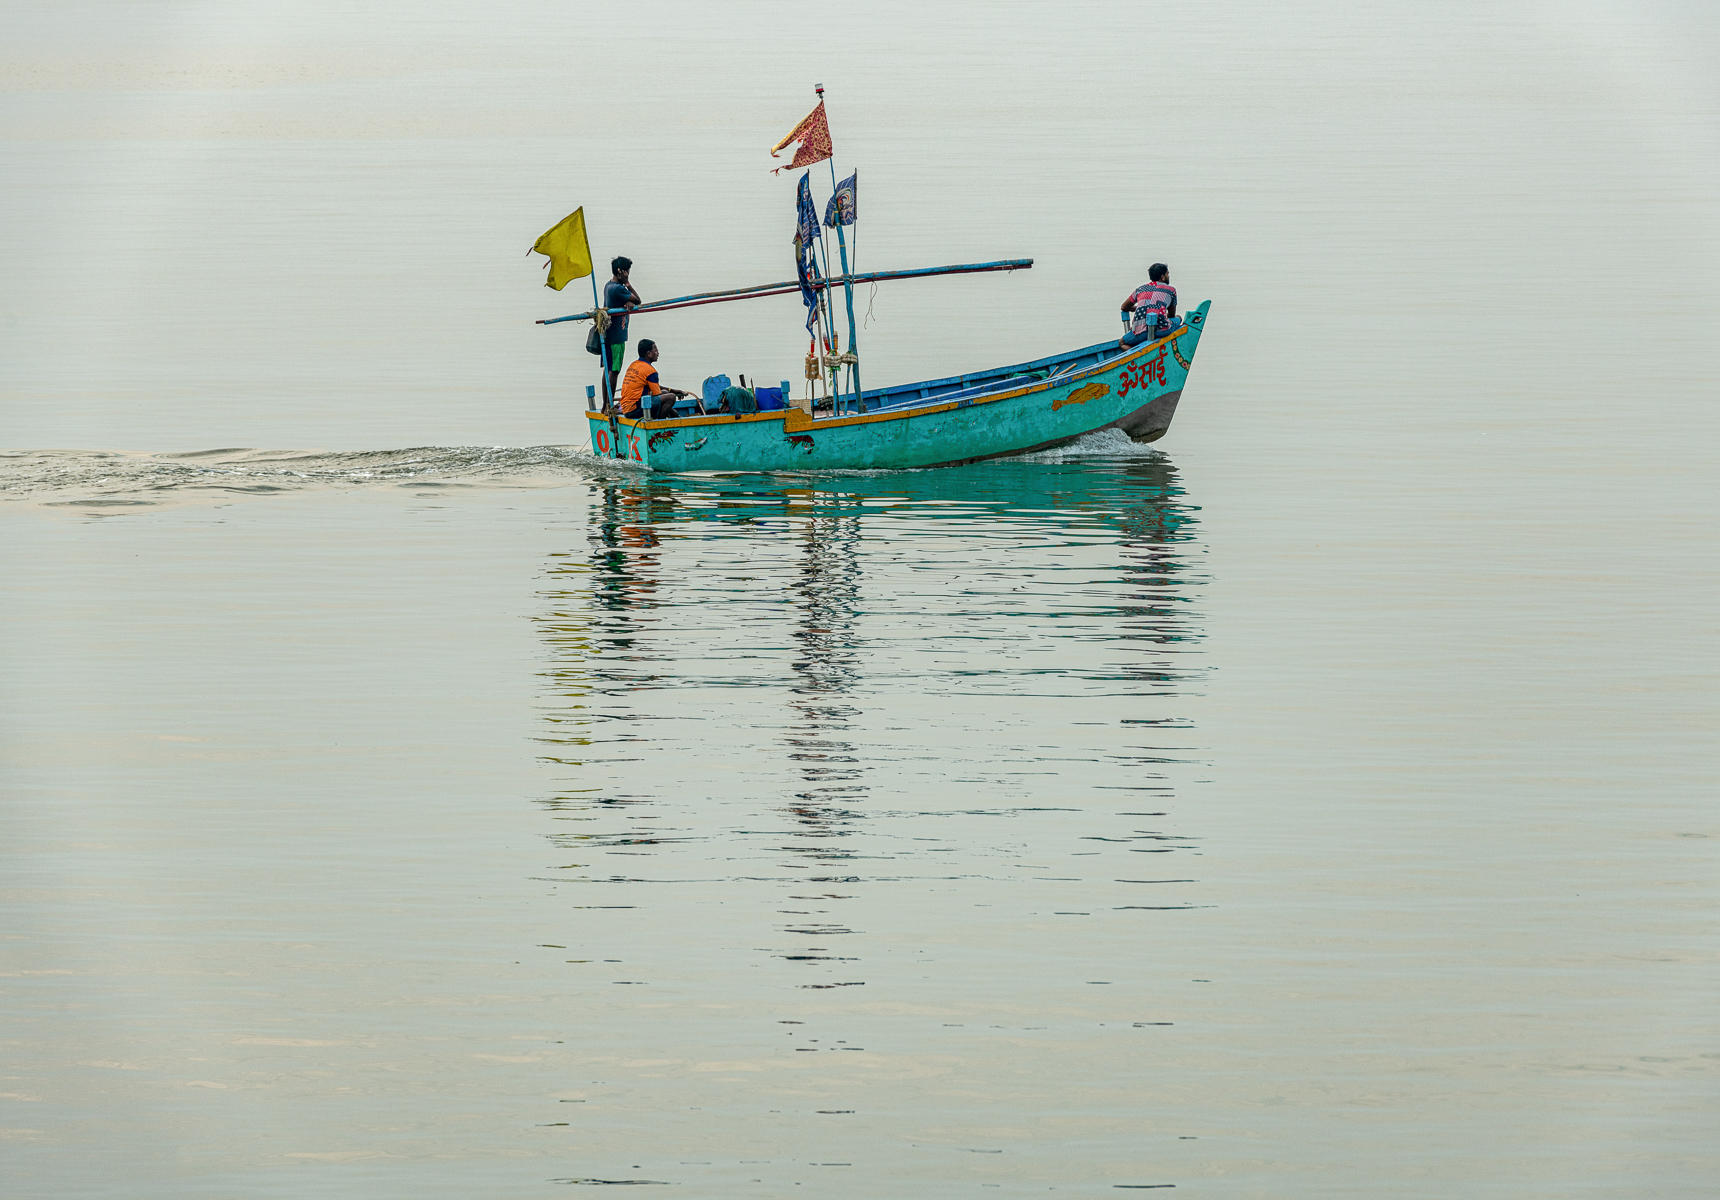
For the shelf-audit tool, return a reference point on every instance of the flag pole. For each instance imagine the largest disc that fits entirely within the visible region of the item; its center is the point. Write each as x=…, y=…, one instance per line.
x=825, y=307
x=829, y=316
x=827, y=336
x=602, y=341
x=847, y=287
x=821, y=314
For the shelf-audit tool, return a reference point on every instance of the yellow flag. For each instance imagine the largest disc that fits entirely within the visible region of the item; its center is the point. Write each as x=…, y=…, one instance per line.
x=568, y=252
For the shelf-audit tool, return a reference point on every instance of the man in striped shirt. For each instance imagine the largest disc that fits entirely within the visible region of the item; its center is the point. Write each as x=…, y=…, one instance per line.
x=1153, y=306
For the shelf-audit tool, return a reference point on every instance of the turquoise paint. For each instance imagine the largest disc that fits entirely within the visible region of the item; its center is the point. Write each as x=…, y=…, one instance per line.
x=1136, y=390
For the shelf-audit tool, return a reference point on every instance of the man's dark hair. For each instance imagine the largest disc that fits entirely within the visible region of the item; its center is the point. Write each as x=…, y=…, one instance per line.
x=646, y=344
x=1158, y=273
x=620, y=263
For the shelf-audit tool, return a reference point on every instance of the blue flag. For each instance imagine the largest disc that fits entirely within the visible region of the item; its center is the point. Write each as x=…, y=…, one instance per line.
x=805, y=215
x=805, y=238
x=844, y=203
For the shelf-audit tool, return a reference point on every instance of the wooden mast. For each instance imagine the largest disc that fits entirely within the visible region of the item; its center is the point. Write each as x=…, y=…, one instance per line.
x=847, y=284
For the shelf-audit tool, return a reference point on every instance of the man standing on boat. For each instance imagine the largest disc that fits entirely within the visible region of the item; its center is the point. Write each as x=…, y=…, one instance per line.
x=617, y=293
x=641, y=381
x=1154, y=306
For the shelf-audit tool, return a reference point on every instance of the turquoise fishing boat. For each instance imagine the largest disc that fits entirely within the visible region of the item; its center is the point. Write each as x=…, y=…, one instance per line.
x=990, y=413
x=942, y=422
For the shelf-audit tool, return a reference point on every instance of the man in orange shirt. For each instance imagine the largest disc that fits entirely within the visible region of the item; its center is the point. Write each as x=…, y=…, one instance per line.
x=641, y=381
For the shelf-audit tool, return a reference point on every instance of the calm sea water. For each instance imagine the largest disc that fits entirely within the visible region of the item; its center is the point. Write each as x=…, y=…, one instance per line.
x=398, y=801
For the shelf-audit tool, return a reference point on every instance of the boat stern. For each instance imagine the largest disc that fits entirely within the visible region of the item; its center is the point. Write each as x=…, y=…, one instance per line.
x=619, y=439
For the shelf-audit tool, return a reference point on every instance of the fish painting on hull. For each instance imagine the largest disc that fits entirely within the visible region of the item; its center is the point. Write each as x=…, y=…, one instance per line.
x=1081, y=395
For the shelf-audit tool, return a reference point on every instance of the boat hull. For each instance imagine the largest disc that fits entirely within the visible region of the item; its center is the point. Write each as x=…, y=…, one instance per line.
x=1135, y=390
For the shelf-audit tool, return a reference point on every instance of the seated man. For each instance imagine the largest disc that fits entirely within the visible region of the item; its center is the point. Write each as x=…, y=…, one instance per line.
x=1154, y=305
x=641, y=382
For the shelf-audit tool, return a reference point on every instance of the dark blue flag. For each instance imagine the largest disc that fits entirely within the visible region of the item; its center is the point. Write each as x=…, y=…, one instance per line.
x=805, y=215
x=805, y=237
x=844, y=203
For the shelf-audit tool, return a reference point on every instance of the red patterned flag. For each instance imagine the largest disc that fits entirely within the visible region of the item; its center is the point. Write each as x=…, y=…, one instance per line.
x=813, y=134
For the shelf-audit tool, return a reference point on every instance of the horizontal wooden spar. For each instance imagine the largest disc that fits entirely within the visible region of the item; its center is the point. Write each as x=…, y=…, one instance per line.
x=778, y=289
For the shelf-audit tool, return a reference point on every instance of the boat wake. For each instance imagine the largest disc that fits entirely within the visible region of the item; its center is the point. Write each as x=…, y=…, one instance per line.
x=113, y=479
x=129, y=479
x=1101, y=443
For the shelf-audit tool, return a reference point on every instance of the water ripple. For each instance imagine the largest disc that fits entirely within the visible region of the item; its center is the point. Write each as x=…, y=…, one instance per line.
x=947, y=688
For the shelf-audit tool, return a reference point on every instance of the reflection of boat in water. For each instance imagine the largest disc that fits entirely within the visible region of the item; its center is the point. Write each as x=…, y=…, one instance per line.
x=618, y=641
x=789, y=688
x=1140, y=495
x=826, y=595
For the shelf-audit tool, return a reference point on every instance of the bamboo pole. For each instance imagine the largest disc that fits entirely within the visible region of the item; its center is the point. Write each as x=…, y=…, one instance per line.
x=829, y=346
x=758, y=291
x=608, y=384
x=847, y=284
